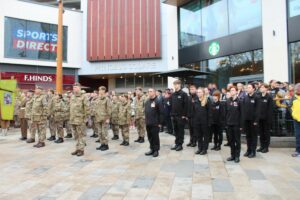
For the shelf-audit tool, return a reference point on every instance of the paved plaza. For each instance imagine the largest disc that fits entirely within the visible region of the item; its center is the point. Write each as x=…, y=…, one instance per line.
x=125, y=173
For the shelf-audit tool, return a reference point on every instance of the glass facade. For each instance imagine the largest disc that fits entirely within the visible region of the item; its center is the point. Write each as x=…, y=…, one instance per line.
x=295, y=62
x=294, y=7
x=204, y=20
x=224, y=68
x=142, y=81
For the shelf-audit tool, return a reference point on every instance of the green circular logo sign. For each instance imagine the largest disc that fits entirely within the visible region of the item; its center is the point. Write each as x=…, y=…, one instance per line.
x=214, y=48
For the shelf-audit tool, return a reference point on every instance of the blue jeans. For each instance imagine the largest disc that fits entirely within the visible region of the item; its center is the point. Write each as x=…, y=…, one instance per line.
x=297, y=134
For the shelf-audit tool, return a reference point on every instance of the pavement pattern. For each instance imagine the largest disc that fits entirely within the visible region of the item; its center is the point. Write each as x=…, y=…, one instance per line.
x=126, y=173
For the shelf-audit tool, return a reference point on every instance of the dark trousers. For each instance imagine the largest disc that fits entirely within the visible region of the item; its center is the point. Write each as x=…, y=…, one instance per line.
x=179, y=124
x=234, y=135
x=24, y=126
x=168, y=123
x=297, y=134
x=264, y=132
x=153, y=137
x=193, y=137
x=201, y=130
x=251, y=135
x=217, y=132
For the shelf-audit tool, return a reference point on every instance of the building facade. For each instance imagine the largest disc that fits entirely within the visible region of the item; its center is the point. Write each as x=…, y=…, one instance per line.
x=239, y=40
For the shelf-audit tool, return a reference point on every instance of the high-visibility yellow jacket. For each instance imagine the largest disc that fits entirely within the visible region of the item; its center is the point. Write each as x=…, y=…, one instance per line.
x=295, y=101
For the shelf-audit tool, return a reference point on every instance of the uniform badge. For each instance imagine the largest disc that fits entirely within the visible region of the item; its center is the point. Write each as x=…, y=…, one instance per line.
x=252, y=101
x=179, y=97
x=153, y=105
x=235, y=104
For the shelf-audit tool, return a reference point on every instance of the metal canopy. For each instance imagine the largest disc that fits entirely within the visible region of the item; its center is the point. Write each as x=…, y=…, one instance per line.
x=181, y=73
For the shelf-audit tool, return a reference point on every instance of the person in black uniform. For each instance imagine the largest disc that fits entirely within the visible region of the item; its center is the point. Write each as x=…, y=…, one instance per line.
x=179, y=102
x=153, y=119
x=233, y=112
x=192, y=98
x=217, y=120
x=249, y=105
x=264, y=118
x=167, y=111
x=201, y=121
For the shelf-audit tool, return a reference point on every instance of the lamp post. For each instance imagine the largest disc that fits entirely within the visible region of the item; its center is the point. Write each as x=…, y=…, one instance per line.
x=59, y=53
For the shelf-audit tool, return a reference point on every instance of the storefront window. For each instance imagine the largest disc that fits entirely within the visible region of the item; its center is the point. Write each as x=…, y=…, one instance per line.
x=244, y=15
x=242, y=64
x=190, y=24
x=294, y=8
x=295, y=61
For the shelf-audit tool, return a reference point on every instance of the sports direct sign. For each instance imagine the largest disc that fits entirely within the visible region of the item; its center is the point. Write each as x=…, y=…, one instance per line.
x=35, y=41
x=32, y=40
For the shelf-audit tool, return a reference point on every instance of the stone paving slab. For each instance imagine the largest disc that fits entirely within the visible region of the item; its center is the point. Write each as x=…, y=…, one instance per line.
x=126, y=173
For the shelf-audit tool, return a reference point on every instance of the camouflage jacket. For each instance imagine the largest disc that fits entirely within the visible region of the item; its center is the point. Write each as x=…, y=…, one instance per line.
x=115, y=112
x=58, y=110
x=140, y=107
x=102, y=109
x=93, y=105
x=124, y=113
x=28, y=108
x=39, y=110
x=79, y=109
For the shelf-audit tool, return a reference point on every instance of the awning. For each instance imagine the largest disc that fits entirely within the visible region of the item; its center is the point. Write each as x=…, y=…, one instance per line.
x=181, y=73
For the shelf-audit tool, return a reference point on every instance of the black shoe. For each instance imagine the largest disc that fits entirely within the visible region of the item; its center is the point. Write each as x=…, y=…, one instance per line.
x=142, y=140
x=93, y=136
x=59, y=140
x=203, y=152
x=218, y=148
x=123, y=143
x=179, y=148
x=265, y=150
x=97, y=141
x=52, y=138
x=259, y=149
x=155, y=154
x=251, y=155
x=126, y=144
x=226, y=145
x=214, y=148
x=68, y=136
x=193, y=145
x=189, y=144
x=237, y=160
x=116, y=137
x=161, y=130
x=137, y=140
x=100, y=147
x=198, y=152
x=149, y=153
x=105, y=147
x=230, y=158
x=247, y=153
x=23, y=138
x=174, y=147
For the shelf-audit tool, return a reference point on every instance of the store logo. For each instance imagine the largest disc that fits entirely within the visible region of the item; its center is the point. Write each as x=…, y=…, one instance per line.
x=36, y=78
x=214, y=48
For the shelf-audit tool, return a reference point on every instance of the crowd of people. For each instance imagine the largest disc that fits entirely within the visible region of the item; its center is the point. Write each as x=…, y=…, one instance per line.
x=207, y=112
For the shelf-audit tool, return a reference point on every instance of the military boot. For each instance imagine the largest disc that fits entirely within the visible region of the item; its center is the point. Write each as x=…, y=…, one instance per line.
x=80, y=153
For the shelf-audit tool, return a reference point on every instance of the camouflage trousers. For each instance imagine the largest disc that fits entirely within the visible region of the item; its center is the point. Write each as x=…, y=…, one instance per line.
x=140, y=126
x=125, y=132
x=102, y=131
x=115, y=129
x=94, y=125
x=31, y=131
x=40, y=128
x=68, y=127
x=52, y=126
x=59, y=125
x=79, y=136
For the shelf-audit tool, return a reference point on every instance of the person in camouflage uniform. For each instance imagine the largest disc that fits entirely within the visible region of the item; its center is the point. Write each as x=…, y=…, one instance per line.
x=124, y=118
x=51, y=99
x=28, y=113
x=102, y=116
x=140, y=100
x=57, y=112
x=39, y=115
x=115, y=117
x=67, y=115
x=93, y=104
x=79, y=110
x=23, y=120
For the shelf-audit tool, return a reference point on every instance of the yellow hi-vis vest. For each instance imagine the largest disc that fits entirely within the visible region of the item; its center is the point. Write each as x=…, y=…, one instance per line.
x=296, y=108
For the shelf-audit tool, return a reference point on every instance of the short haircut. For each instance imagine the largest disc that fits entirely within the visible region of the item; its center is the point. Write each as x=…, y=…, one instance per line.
x=233, y=87
x=102, y=88
x=265, y=85
x=177, y=82
x=139, y=88
x=217, y=93
x=252, y=84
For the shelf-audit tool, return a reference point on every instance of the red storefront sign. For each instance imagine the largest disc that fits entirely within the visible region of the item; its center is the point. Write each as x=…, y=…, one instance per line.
x=29, y=80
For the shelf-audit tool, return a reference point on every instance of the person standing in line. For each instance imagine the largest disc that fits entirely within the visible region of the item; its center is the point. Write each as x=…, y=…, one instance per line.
x=115, y=116
x=50, y=99
x=124, y=118
x=192, y=98
x=295, y=110
x=58, y=111
x=233, y=113
x=93, y=104
x=179, y=113
x=153, y=119
x=264, y=118
x=23, y=121
x=140, y=100
x=67, y=115
x=201, y=121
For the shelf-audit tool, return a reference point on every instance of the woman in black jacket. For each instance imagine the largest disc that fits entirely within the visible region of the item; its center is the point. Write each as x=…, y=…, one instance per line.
x=201, y=121
x=217, y=120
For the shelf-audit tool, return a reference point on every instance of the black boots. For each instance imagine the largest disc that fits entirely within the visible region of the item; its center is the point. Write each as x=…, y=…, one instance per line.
x=68, y=136
x=59, y=140
x=124, y=143
x=152, y=153
x=94, y=136
x=250, y=154
x=140, y=140
x=103, y=147
x=52, y=138
x=116, y=137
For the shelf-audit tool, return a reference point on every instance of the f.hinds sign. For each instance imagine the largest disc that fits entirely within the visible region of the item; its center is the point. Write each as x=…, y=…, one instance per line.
x=31, y=78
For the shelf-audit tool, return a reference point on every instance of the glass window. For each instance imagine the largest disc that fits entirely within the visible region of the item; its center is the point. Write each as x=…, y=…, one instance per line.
x=244, y=14
x=215, y=20
x=242, y=64
x=158, y=82
x=295, y=61
x=294, y=8
x=139, y=81
x=190, y=24
x=120, y=82
x=148, y=81
x=129, y=82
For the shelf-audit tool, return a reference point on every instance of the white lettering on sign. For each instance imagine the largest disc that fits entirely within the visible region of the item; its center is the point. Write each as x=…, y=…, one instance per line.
x=36, y=78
